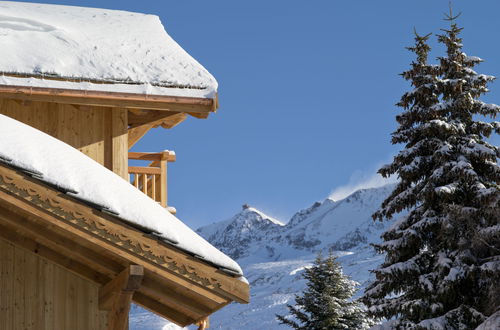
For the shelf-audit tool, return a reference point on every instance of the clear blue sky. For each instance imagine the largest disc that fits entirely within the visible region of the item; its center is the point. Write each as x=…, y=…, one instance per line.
x=307, y=92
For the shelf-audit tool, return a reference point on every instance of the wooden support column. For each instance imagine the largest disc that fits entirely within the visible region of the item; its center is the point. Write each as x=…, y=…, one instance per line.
x=116, y=296
x=203, y=324
x=119, y=142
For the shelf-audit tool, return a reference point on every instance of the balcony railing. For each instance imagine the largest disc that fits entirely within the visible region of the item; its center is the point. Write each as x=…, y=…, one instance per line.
x=152, y=179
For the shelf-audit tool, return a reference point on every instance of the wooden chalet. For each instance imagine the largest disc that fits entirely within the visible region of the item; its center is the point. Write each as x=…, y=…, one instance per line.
x=78, y=243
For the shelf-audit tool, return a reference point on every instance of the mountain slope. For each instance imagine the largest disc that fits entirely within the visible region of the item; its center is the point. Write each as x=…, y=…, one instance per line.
x=276, y=258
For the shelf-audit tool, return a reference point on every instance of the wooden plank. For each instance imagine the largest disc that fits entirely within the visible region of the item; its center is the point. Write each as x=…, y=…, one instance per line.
x=31, y=296
x=49, y=297
x=18, y=289
x=144, y=170
x=167, y=155
x=6, y=285
x=44, y=295
x=120, y=100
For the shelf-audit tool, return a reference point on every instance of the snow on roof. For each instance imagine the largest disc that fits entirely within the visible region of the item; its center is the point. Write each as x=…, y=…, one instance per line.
x=64, y=166
x=110, y=50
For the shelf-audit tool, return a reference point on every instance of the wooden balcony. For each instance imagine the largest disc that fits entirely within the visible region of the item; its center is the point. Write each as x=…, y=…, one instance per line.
x=152, y=179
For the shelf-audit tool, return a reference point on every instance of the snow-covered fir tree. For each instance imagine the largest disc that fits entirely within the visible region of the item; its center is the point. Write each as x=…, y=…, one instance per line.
x=442, y=264
x=326, y=303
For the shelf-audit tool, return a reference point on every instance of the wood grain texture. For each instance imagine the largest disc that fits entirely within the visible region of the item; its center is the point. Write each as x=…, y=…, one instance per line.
x=36, y=294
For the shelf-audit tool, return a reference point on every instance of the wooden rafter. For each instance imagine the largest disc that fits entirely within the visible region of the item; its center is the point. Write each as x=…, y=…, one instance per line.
x=136, y=133
x=155, y=117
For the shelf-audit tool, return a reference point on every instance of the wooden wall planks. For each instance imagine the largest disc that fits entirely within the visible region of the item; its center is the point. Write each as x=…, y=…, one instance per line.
x=99, y=132
x=36, y=294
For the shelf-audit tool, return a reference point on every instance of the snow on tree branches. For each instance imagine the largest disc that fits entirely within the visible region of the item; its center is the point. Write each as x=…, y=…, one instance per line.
x=326, y=303
x=442, y=264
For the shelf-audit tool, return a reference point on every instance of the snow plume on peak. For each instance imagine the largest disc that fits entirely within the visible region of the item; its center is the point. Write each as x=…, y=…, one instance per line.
x=261, y=216
x=360, y=181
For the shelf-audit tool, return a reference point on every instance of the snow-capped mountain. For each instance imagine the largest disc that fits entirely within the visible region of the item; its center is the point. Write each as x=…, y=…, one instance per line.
x=236, y=236
x=273, y=255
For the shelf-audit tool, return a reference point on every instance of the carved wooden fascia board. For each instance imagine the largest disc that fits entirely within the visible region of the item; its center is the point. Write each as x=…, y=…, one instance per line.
x=118, y=235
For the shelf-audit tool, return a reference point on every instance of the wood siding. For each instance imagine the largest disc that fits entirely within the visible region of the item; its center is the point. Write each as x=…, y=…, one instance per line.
x=36, y=294
x=98, y=132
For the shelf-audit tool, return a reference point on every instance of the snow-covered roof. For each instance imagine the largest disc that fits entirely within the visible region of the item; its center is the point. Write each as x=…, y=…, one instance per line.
x=63, y=166
x=95, y=49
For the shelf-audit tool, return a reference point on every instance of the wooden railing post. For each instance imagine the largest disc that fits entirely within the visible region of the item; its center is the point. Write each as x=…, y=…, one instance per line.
x=163, y=187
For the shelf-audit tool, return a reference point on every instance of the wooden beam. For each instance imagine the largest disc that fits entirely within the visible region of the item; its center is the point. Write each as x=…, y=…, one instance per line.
x=141, y=121
x=136, y=133
x=144, y=170
x=173, y=121
x=195, y=306
x=199, y=115
x=129, y=280
x=167, y=155
x=116, y=296
x=109, y=99
x=162, y=310
x=156, y=117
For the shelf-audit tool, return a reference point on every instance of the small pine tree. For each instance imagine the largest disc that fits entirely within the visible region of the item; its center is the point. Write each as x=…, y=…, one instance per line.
x=326, y=303
x=442, y=262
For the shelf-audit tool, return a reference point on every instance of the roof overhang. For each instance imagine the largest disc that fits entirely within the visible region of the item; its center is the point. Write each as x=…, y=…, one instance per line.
x=99, y=247
x=184, y=104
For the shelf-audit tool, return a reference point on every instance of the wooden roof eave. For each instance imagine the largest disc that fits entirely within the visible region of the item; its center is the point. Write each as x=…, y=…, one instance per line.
x=98, y=247
x=199, y=107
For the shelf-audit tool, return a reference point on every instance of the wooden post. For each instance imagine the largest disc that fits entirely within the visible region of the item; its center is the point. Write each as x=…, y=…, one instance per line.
x=203, y=324
x=116, y=296
x=163, y=183
x=119, y=141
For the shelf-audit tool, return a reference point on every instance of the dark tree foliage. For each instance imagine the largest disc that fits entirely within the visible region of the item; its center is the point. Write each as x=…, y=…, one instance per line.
x=326, y=303
x=442, y=261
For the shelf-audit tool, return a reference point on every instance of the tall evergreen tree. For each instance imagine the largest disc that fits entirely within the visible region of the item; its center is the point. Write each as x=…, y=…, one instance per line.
x=326, y=303
x=442, y=262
